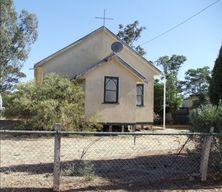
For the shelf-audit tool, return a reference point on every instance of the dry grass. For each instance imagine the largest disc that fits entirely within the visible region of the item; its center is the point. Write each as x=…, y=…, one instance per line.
x=27, y=162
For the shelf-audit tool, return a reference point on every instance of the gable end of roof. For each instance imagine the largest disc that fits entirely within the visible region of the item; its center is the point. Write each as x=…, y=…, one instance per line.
x=106, y=59
x=87, y=36
x=67, y=47
x=130, y=48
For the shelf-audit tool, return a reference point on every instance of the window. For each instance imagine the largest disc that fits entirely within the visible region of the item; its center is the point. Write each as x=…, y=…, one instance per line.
x=139, y=94
x=111, y=86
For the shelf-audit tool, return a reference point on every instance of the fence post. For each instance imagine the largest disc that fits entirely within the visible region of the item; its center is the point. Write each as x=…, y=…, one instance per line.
x=110, y=128
x=123, y=127
x=205, y=155
x=134, y=138
x=57, y=144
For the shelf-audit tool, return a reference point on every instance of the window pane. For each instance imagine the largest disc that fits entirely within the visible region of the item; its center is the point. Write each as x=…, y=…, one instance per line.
x=139, y=95
x=139, y=90
x=111, y=84
x=111, y=89
x=139, y=100
x=110, y=96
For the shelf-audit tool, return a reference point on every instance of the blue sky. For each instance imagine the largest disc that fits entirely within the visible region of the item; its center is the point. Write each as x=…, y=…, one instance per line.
x=63, y=22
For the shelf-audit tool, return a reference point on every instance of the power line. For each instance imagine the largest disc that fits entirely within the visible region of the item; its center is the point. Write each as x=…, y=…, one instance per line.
x=181, y=23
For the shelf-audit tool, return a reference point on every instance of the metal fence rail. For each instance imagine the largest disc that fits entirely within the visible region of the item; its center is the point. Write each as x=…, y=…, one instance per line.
x=103, y=161
x=82, y=133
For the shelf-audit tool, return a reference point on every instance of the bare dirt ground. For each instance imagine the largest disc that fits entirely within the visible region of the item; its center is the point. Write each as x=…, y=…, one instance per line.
x=117, y=163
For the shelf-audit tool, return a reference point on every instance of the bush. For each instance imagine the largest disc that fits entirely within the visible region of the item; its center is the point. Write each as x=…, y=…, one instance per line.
x=41, y=106
x=202, y=119
x=207, y=116
x=81, y=168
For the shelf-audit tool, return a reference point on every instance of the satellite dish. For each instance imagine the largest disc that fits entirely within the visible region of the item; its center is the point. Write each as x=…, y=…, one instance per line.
x=117, y=47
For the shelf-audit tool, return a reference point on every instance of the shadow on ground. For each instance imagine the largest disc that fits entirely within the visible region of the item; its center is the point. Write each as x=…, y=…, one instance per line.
x=25, y=190
x=179, y=185
x=157, y=172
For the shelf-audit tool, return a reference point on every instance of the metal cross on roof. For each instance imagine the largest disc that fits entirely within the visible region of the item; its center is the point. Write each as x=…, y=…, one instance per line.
x=104, y=18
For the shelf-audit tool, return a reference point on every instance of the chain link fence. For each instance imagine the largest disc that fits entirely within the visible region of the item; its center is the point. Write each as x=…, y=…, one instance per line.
x=26, y=161
x=107, y=161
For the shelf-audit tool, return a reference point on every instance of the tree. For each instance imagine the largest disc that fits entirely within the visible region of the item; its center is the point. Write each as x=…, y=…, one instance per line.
x=158, y=97
x=130, y=34
x=196, y=84
x=215, y=88
x=41, y=106
x=18, y=32
x=196, y=81
x=171, y=66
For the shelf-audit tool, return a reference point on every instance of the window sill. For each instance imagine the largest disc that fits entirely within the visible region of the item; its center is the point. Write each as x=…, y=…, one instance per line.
x=111, y=103
x=140, y=105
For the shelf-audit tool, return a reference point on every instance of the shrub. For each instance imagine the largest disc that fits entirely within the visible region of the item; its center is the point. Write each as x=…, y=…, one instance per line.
x=81, y=168
x=202, y=119
x=41, y=106
x=207, y=116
